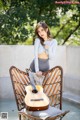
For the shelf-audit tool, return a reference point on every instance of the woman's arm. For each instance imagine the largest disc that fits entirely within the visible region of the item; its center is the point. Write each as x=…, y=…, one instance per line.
x=52, y=49
x=36, y=47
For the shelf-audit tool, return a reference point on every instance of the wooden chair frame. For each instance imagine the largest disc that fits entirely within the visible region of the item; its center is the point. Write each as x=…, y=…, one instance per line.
x=52, y=86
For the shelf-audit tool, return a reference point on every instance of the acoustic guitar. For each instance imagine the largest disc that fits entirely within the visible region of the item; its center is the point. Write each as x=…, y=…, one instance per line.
x=36, y=99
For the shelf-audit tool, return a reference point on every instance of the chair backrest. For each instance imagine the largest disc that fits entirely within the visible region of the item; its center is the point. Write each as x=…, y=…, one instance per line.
x=52, y=85
x=19, y=80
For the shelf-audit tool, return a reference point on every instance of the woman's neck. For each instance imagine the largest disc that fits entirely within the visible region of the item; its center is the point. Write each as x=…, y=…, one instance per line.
x=47, y=39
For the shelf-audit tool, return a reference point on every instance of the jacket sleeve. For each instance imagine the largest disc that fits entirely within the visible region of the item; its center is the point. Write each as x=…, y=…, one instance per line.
x=36, y=47
x=52, y=49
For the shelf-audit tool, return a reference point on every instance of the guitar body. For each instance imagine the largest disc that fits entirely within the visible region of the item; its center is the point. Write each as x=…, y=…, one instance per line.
x=36, y=101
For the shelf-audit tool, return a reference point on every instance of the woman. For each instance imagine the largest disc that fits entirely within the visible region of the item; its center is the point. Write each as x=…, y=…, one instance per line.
x=44, y=49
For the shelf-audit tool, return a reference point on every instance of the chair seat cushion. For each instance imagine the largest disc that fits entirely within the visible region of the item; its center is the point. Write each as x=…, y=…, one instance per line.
x=50, y=112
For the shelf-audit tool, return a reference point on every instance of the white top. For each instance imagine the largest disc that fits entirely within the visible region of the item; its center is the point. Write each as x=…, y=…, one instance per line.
x=39, y=48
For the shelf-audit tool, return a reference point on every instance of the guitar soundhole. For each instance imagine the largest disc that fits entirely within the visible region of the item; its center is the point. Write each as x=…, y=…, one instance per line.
x=34, y=91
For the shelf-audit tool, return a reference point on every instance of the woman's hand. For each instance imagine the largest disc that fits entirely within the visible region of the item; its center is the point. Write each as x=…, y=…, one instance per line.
x=39, y=73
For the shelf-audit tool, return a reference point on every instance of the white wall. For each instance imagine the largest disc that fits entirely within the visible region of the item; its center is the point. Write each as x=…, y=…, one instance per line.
x=21, y=56
x=72, y=77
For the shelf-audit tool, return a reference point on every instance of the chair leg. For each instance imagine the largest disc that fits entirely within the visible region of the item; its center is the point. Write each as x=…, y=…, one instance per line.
x=22, y=117
x=61, y=117
x=19, y=116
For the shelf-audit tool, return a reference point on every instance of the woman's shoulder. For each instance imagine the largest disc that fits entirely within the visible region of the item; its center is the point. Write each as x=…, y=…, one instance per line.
x=37, y=40
x=54, y=41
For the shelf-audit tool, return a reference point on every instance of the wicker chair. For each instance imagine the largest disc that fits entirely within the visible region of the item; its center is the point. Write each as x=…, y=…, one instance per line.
x=52, y=86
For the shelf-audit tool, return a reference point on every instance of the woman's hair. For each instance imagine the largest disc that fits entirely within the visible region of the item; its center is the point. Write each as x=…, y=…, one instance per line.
x=44, y=26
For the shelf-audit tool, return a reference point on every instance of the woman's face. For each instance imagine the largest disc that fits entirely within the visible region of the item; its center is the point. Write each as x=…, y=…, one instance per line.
x=42, y=33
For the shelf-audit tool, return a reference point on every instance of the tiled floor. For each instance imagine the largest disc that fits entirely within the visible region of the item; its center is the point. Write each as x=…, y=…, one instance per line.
x=10, y=107
x=74, y=109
